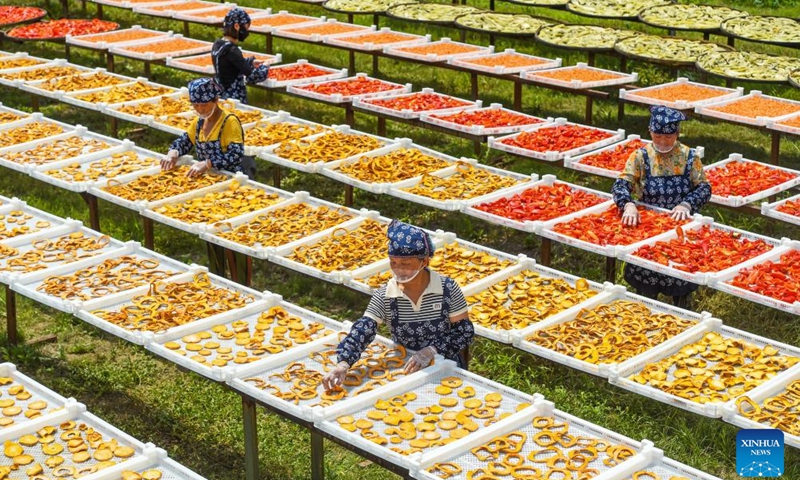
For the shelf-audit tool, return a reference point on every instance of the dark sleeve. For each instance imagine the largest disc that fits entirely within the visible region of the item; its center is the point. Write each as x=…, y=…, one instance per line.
x=622, y=191
x=259, y=74
x=182, y=144
x=242, y=65
x=459, y=337
x=699, y=196
x=354, y=344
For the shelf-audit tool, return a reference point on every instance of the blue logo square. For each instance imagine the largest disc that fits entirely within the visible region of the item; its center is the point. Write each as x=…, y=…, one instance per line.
x=759, y=453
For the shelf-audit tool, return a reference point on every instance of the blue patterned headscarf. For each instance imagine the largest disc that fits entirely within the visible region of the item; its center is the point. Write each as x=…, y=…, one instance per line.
x=665, y=120
x=204, y=90
x=236, y=16
x=409, y=241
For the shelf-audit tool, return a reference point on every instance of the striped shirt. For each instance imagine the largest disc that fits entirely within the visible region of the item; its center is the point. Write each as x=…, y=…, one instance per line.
x=427, y=309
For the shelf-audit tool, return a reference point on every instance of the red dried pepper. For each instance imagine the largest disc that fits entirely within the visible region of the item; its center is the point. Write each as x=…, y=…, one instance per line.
x=745, y=178
x=607, y=229
x=61, y=28
x=780, y=281
x=294, y=72
x=791, y=207
x=613, y=159
x=704, y=250
x=10, y=14
x=420, y=102
x=489, y=118
x=557, y=139
x=354, y=86
x=542, y=203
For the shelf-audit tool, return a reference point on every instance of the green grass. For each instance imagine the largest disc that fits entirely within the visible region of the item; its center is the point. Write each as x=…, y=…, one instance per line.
x=199, y=423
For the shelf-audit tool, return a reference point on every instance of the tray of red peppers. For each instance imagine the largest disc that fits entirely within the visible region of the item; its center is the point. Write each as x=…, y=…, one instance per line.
x=774, y=282
x=737, y=181
x=59, y=29
x=300, y=72
x=599, y=229
x=525, y=208
x=554, y=141
x=12, y=15
x=346, y=89
x=412, y=105
x=492, y=120
x=695, y=251
x=608, y=161
x=787, y=210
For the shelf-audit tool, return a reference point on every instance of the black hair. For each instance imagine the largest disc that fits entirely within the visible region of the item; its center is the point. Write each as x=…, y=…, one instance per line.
x=230, y=31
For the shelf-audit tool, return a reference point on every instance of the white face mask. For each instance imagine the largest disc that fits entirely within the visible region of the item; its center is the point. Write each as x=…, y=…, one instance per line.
x=406, y=279
x=208, y=115
x=661, y=149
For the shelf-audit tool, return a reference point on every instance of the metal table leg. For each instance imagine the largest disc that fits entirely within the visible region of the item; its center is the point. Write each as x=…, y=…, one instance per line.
x=589, y=107
x=94, y=212
x=473, y=79
x=11, y=316
x=269, y=43
x=349, y=115
x=276, y=176
x=250, y=438
x=34, y=102
x=547, y=246
x=775, y=150
x=148, y=232
x=517, y=96
x=351, y=62
x=611, y=269
x=348, y=195
x=317, y=456
x=376, y=65
x=109, y=62
x=381, y=127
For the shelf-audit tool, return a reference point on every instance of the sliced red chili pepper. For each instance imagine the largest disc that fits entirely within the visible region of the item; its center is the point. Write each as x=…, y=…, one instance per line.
x=61, y=28
x=557, y=139
x=615, y=158
x=11, y=14
x=607, y=229
x=780, y=281
x=745, y=178
x=420, y=102
x=542, y=203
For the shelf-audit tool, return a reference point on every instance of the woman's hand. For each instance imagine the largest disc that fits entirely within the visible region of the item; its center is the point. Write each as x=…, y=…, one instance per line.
x=630, y=215
x=198, y=169
x=419, y=360
x=169, y=160
x=335, y=377
x=681, y=211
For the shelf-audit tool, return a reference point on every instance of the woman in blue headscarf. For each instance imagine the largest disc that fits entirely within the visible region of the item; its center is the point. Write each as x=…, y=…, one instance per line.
x=665, y=174
x=218, y=140
x=232, y=70
x=425, y=311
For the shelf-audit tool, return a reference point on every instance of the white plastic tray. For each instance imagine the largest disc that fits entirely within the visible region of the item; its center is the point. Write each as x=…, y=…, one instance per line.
x=113, y=110
x=738, y=201
x=18, y=56
x=605, y=250
x=282, y=253
x=28, y=283
x=36, y=87
x=38, y=393
x=72, y=97
x=532, y=226
x=554, y=156
x=58, y=63
x=211, y=234
x=196, y=228
x=36, y=217
x=283, y=13
x=460, y=452
x=19, y=113
x=152, y=459
x=155, y=11
x=27, y=243
x=89, y=41
x=467, y=62
x=79, y=132
x=772, y=388
x=281, y=117
x=620, y=373
x=182, y=63
x=778, y=126
x=345, y=40
x=332, y=169
x=707, y=110
x=197, y=16
x=721, y=281
x=613, y=294
x=479, y=130
x=246, y=376
x=369, y=104
x=771, y=210
x=699, y=278
x=622, y=79
x=315, y=166
x=455, y=204
x=32, y=118
x=423, y=386
x=339, y=98
x=356, y=279
x=725, y=94
x=86, y=312
x=85, y=162
x=332, y=74
x=286, y=31
x=432, y=57
x=249, y=314
x=509, y=336
x=575, y=163
x=202, y=47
